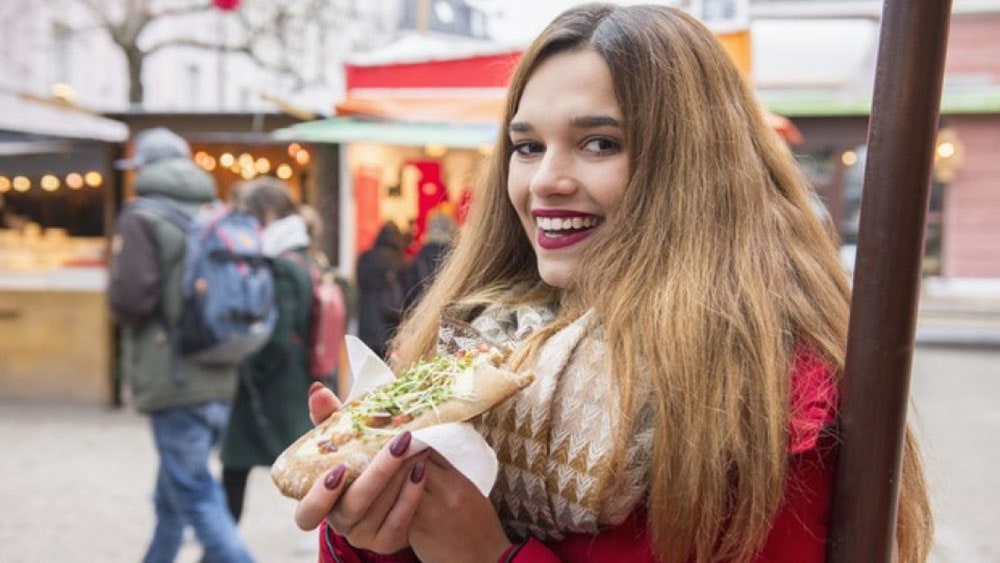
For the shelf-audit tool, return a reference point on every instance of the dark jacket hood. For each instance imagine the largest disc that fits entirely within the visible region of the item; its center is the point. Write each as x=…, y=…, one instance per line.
x=389, y=236
x=177, y=178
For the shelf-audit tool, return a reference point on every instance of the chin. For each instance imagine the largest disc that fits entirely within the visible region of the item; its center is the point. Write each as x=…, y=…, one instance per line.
x=556, y=277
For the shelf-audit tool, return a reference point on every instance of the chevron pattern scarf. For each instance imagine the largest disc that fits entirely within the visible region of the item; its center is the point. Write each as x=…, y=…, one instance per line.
x=554, y=439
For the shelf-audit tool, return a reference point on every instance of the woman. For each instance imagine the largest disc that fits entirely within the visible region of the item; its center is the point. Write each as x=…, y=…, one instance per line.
x=267, y=413
x=653, y=251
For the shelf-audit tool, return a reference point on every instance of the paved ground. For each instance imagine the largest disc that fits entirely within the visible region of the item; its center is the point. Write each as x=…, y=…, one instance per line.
x=956, y=410
x=95, y=503
x=91, y=502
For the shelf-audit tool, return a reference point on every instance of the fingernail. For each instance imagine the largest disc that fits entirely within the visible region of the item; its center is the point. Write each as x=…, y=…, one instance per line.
x=335, y=476
x=418, y=472
x=316, y=386
x=399, y=444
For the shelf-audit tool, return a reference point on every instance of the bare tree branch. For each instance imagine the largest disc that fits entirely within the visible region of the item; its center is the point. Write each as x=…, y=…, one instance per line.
x=97, y=12
x=293, y=41
x=186, y=42
x=196, y=8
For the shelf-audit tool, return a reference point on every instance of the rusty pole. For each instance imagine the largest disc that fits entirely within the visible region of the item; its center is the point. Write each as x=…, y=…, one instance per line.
x=875, y=392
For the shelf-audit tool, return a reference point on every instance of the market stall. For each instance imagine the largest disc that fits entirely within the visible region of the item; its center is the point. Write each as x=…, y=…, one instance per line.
x=55, y=200
x=417, y=120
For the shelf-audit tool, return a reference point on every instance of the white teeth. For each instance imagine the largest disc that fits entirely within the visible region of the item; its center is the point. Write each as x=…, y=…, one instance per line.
x=554, y=224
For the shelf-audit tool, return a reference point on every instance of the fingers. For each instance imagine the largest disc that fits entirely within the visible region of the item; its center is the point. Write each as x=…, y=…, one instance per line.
x=385, y=526
x=397, y=521
x=322, y=402
x=377, y=477
x=318, y=502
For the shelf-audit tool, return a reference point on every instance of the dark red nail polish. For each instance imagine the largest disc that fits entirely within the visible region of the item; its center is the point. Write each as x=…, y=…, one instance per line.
x=418, y=472
x=400, y=444
x=316, y=386
x=335, y=476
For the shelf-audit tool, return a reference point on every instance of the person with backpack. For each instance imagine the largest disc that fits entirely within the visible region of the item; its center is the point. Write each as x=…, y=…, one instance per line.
x=187, y=402
x=268, y=413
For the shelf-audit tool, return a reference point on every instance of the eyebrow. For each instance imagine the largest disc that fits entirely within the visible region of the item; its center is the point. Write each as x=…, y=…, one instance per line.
x=582, y=122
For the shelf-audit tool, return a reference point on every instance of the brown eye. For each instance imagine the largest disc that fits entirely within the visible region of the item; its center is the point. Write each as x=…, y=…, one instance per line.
x=602, y=145
x=528, y=148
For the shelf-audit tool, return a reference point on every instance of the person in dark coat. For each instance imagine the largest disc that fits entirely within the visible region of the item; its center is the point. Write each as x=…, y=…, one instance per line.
x=377, y=269
x=268, y=413
x=414, y=279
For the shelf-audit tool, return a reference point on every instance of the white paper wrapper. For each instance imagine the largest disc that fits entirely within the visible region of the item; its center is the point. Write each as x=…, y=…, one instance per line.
x=458, y=442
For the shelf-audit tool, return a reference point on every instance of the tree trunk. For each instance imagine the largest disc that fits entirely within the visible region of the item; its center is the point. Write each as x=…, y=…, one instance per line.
x=135, y=59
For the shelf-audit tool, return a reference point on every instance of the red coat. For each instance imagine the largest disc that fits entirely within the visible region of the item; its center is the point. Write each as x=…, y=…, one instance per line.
x=799, y=531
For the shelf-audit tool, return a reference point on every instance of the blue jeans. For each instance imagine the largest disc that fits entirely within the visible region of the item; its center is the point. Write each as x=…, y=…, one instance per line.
x=186, y=493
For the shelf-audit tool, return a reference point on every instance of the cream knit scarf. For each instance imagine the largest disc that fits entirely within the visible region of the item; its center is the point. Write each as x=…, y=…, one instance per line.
x=554, y=439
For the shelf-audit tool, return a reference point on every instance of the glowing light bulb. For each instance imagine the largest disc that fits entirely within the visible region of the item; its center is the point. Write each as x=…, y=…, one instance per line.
x=49, y=183
x=263, y=165
x=21, y=184
x=93, y=179
x=435, y=151
x=74, y=181
x=946, y=150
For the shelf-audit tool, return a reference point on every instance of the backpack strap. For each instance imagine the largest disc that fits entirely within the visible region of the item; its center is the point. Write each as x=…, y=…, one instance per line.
x=163, y=208
x=311, y=268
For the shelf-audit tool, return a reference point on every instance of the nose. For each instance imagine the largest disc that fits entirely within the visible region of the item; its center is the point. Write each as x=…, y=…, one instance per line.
x=553, y=176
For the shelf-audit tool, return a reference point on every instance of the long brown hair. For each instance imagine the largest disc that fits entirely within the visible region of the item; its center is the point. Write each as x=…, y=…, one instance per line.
x=719, y=271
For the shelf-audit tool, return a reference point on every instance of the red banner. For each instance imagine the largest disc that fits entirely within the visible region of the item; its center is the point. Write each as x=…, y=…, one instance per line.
x=226, y=5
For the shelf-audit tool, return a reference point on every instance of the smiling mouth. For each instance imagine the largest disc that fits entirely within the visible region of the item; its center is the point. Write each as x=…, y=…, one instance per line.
x=560, y=232
x=555, y=227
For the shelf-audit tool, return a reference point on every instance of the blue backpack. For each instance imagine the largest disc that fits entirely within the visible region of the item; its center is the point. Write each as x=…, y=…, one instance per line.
x=228, y=308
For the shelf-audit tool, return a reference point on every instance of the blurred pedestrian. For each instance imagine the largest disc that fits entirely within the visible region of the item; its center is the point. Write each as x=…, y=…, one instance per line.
x=377, y=268
x=414, y=279
x=315, y=228
x=268, y=413
x=188, y=415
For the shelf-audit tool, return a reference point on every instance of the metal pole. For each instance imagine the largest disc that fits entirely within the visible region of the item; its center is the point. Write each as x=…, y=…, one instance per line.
x=901, y=135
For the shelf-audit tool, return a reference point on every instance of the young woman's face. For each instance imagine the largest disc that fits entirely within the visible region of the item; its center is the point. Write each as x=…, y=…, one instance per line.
x=569, y=167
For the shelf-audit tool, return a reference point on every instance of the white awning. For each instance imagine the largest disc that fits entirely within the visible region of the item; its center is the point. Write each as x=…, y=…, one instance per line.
x=353, y=130
x=23, y=115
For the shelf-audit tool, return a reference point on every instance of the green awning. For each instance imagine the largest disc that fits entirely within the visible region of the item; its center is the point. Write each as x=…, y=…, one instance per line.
x=954, y=100
x=352, y=130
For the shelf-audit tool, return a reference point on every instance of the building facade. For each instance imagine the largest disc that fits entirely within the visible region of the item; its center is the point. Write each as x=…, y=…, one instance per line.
x=831, y=109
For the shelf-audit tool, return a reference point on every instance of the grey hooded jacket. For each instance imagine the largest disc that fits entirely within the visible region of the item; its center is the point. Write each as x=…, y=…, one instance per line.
x=145, y=292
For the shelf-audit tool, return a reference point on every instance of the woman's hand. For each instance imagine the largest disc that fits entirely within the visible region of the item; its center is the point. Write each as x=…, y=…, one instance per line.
x=454, y=521
x=375, y=512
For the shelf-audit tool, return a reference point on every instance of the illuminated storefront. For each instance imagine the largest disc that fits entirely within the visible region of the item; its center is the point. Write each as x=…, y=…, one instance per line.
x=56, y=196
